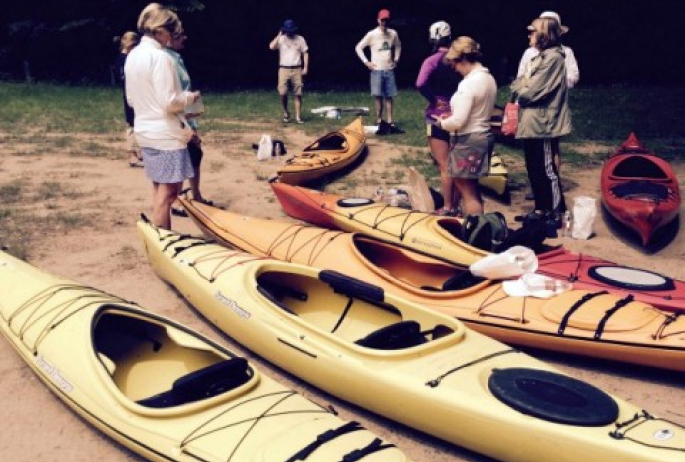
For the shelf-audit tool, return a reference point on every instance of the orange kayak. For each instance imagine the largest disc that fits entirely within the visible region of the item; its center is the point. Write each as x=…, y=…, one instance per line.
x=439, y=236
x=330, y=153
x=594, y=323
x=421, y=231
x=640, y=189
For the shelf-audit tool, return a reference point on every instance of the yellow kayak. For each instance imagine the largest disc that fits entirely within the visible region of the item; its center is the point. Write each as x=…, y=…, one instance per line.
x=160, y=389
x=330, y=153
x=435, y=235
x=497, y=177
x=408, y=363
x=571, y=322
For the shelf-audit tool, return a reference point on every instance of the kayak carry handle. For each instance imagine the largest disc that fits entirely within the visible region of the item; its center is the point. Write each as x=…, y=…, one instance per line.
x=347, y=285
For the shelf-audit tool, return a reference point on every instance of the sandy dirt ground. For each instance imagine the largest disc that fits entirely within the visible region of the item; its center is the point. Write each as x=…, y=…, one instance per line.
x=38, y=427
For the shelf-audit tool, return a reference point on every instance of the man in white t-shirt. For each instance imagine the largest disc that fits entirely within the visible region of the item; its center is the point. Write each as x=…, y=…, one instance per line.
x=292, y=66
x=385, y=48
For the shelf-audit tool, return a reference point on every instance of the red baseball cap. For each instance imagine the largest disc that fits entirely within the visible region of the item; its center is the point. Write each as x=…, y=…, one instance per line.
x=384, y=14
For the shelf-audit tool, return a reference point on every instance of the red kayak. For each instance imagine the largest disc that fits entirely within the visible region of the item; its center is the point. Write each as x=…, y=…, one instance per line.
x=640, y=189
x=431, y=235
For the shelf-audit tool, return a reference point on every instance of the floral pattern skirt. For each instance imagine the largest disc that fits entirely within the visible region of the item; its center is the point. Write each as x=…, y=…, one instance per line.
x=470, y=155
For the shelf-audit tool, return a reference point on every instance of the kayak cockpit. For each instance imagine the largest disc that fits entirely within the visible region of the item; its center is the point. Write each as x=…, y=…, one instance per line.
x=414, y=271
x=638, y=167
x=355, y=313
x=158, y=366
x=332, y=142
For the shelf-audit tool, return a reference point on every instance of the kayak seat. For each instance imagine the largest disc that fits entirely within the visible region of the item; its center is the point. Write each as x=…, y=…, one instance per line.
x=641, y=188
x=202, y=384
x=403, y=334
x=462, y=280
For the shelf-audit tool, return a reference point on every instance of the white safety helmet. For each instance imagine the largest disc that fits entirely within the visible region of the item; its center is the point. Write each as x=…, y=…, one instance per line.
x=439, y=30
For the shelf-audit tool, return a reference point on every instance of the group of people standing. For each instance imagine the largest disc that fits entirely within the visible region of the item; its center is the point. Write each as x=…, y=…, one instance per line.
x=162, y=127
x=458, y=126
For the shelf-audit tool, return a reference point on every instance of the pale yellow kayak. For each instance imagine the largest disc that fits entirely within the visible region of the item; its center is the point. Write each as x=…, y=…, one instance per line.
x=572, y=322
x=331, y=153
x=160, y=389
x=405, y=362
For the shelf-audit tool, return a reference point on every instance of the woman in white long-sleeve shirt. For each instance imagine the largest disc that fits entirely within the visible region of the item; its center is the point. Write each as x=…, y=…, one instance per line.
x=154, y=91
x=469, y=122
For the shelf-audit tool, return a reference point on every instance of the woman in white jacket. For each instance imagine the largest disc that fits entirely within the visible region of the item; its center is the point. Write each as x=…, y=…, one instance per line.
x=154, y=91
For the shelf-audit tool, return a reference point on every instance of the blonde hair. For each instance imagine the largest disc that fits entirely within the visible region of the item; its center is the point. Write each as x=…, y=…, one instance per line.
x=463, y=49
x=155, y=16
x=547, y=32
x=128, y=41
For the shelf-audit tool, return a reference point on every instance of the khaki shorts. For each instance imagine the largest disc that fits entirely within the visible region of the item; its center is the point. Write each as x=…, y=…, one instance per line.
x=290, y=78
x=131, y=144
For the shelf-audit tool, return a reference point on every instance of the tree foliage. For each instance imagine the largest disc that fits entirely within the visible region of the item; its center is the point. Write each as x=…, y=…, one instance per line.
x=73, y=41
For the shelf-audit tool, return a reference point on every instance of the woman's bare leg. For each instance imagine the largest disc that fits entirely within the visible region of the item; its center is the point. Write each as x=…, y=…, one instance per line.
x=164, y=195
x=441, y=151
x=470, y=195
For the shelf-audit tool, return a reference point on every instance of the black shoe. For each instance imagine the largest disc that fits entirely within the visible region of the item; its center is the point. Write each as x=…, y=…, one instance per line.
x=178, y=212
x=395, y=129
x=383, y=128
x=529, y=217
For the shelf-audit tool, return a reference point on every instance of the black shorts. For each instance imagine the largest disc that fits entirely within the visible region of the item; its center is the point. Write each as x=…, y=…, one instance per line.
x=433, y=131
x=195, y=152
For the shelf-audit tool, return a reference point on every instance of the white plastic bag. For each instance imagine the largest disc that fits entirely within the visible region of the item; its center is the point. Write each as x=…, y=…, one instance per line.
x=511, y=263
x=584, y=213
x=265, y=148
x=535, y=285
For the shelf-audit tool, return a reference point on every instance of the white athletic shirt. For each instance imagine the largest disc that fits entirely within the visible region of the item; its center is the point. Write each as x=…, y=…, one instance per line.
x=381, y=45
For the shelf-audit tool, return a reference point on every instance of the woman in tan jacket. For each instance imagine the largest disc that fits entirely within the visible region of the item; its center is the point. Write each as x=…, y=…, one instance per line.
x=544, y=116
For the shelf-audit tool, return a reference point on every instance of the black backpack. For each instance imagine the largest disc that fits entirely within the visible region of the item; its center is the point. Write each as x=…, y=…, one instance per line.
x=486, y=231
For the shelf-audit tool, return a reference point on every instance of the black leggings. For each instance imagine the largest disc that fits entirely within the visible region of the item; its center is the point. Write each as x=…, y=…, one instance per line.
x=543, y=174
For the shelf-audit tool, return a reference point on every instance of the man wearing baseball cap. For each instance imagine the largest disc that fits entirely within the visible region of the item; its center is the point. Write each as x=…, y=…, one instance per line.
x=385, y=48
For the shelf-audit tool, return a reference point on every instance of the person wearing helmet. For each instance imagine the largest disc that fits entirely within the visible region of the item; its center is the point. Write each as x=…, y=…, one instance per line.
x=436, y=82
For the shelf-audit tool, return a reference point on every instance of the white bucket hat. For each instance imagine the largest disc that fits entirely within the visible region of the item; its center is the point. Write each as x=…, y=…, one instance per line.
x=439, y=30
x=554, y=15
